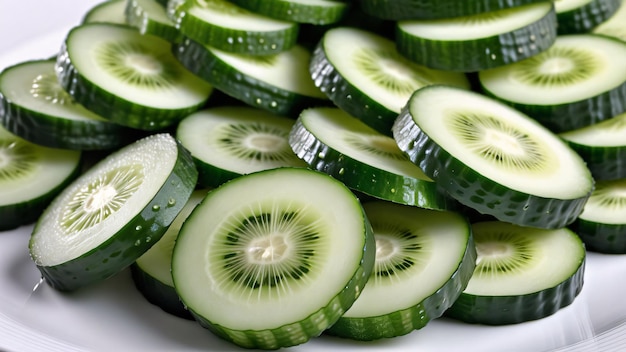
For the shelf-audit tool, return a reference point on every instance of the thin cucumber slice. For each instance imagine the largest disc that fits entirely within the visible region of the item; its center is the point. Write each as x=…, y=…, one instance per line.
x=602, y=225
x=108, y=11
x=435, y=9
x=330, y=140
x=582, y=16
x=225, y=26
x=424, y=260
x=230, y=141
x=113, y=213
x=579, y=81
x=283, y=254
x=30, y=177
x=279, y=83
x=521, y=274
x=35, y=107
x=493, y=158
x=614, y=26
x=602, y=146
x=363, y=74
x=150, y=17
x=317, y=12
x=152, y=272
x=479, y=42
x=126, y=77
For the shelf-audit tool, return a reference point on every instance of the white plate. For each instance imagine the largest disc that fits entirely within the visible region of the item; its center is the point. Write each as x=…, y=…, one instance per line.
x=113, y=316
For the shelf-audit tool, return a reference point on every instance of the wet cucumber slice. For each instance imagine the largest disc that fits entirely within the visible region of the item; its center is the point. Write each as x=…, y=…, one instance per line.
x=150, y=17
x=113, y=213
x=424, y=260
x=107, y=11
x=285, y=252
x=479, y=42
x=230, y=141
x=582, y=16
x=579, y=81
x=127, y=77
x=521, y=274
x=614, y=26
x=317, y=12
x=35, y=107
x=30, y=177
x=493, y=158
x=363, y=74
x=332, y=141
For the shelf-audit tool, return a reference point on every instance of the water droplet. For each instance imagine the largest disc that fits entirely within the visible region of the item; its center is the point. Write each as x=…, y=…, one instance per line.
x=493, y=56
x=393, y=190
x=148, y=239
x=156, y=207
x=239, y=39
x=138, y=228
x=321, y=155
x=230, y=40
x=171, y=202
x=258, y=101
x=273, y=104
x=349, y=97
x=532, y=38
x=342, y=171
x=137, y=243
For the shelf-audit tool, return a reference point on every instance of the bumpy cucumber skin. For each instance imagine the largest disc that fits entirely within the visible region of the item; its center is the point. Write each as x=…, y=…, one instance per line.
x=585, y=18
x=199, y=59
x=605, y=163
x=470, y=188
x=211, y=176
x=364, y=178
x=295, y=11
x=480, y=54
x=601, y=238
x=136, y=16
x=432, y=9
x=158, y=293
x=133, y=239
x=405, y=321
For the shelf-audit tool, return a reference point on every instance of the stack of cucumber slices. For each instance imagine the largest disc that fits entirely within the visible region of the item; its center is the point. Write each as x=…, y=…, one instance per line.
x=280, y=170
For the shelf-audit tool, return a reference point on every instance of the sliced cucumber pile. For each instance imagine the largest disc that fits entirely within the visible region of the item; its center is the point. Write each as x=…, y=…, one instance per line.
x=150, y=17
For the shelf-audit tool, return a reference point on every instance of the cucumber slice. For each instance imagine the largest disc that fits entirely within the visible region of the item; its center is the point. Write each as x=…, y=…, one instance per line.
x=317, y=12
x=150, y=17
x=493, y=158
x=602, y=146
x=521, y=274
x=128, y=78
x=363, y=74
x=424, y=260
x=225, y=26
x=113, y=213
x=479, y=42
x=30, y=177
x=284, y=253
x=601, y=225
x=579, y=81
x=35, y=107
x=614, y=26
x=331, y=141
x=152, y=272
x=109, y=11
x=279, y=83
x=581, y=16
x=230, y=141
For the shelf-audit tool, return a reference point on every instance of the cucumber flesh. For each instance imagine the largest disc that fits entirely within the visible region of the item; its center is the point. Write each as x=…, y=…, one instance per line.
x=107, y=11
x=614, y=26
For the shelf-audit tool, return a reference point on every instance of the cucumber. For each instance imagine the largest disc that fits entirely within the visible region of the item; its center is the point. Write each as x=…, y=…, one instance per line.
x=331, y=141
x=493, y=158
x=108, y=11
x=279, y=83
x=363, y=74
x=424, y=260
x=521, y=274
x=582, y=16
x=225, y=26
x=114, y=212
x=128, y=78
x=35, y=107
x=230, y=141
x=479, y=42
x=317, y=12
x=150, y=17
x=614, y=26
x=30, y=177
x=284, y=253
x=579, y=81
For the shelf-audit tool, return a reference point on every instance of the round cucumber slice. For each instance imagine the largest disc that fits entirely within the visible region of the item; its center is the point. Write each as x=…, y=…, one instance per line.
x=521, y=274
x=114, y=212
x=614, y=26
x=581, y=16
x=493, y=158
x=273, y=258
x=107, y=11
x=317, y=12
x=424, y=260
x=332, y=141
x=150, y=17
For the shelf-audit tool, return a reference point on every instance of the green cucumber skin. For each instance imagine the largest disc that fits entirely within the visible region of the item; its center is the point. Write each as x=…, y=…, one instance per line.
x=202, y=62
x=138, y=18
x=211, y=176
x=405, y=321
x=480, y=54
x=158, y=293
x=605, y=163
x=471, y=189
x=366, y=179
x=601, y=238
x=412, y=9
x=504, y=310
x=132, y=240
x=300, y=13
x=586, y=18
